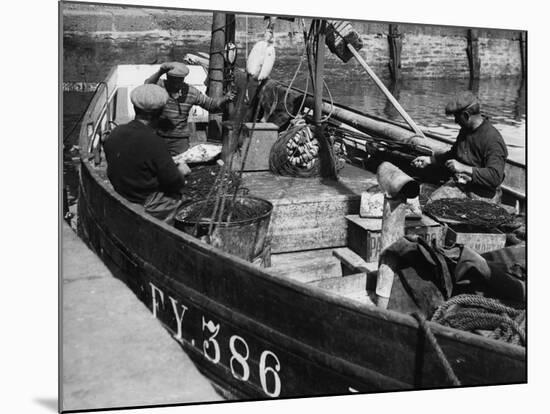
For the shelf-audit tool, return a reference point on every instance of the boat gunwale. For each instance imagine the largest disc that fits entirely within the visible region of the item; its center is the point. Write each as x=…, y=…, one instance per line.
x=320, y=294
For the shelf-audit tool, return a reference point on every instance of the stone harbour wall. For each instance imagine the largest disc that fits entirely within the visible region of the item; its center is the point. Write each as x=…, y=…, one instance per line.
x=97, y=36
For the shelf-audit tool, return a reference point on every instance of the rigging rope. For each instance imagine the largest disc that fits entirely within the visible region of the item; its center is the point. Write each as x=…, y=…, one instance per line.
x=259, y=93
x=422, y=323
x=289, y=87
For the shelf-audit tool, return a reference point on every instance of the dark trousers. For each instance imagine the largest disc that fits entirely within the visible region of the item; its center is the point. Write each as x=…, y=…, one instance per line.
x=163, y=206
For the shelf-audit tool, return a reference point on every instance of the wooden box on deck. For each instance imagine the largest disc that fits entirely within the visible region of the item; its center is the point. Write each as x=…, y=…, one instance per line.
x=364, y=234
x=478, y=240
x=263, y=135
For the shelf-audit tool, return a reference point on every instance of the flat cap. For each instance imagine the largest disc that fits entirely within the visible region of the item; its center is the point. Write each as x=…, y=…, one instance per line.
x=149, y=97
x=179, y=70
x=461, y=101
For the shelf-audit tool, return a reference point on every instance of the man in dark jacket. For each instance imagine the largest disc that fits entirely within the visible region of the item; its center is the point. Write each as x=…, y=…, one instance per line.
x=138, y=163
x=477, y=158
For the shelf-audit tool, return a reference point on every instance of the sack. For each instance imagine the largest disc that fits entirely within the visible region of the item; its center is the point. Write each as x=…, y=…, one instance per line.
x=423, y=279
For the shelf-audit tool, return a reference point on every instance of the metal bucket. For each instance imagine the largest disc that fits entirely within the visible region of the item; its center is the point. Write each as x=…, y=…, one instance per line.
x=247, y=238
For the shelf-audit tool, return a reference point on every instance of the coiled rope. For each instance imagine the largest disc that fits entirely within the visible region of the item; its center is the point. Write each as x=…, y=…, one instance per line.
x=473, y=313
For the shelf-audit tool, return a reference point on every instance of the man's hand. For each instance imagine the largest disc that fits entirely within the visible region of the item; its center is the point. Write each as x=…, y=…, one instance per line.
x=229, y=96
x=462, y=178
x=183, y=168
x=166, y=67
x=456, y=167
x=422, y=161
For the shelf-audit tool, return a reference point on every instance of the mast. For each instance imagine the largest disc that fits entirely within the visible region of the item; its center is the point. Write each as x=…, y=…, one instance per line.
x=326, y=151
x=319, y=69
x=215, y=72
x=230, y=24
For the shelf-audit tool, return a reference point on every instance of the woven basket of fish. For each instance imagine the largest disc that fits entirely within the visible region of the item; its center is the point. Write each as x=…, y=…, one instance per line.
x=295, y=153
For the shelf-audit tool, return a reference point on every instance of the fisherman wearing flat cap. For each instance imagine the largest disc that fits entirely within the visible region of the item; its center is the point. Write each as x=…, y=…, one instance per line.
x=139, y=165
x=173, y=121
x=477, y=158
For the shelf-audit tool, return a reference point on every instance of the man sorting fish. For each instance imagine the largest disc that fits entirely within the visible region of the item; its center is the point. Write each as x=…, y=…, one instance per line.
x=140, y=167
x=477, y=158
x=173, y=124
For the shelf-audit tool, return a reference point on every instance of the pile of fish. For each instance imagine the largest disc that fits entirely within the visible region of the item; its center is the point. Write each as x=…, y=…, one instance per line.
x=302, y=148
x=199, y=153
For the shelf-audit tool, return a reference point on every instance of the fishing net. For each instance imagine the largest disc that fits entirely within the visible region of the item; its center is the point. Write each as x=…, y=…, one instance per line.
x=198, y=184
x=238, y=210
x=466, y=211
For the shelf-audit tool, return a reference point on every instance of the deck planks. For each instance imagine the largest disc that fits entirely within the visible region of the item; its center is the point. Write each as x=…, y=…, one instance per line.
x=306, y=266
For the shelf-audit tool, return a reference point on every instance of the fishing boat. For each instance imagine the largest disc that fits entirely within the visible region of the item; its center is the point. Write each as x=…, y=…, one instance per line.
x=304, y=326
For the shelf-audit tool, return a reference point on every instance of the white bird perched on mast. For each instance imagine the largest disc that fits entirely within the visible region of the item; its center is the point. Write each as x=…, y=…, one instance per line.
x=262, y=56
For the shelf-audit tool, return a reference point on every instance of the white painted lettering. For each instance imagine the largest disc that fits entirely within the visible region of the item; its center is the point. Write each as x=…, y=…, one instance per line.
x=179, y=317
x=155, y=304
x=273, y=371
x=240, y=358
x=214, y=329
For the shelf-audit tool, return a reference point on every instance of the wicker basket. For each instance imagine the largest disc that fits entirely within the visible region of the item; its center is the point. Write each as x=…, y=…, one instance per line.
x=295, y=153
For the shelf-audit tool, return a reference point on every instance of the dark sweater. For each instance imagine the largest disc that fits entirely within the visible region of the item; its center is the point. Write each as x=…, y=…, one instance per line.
x=139, y=163
x=484, y=150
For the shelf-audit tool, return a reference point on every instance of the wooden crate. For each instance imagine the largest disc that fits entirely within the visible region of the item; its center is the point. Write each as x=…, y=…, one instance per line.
x=364, y=234
x=479, y=240
x=307, y=212
x=263, y=136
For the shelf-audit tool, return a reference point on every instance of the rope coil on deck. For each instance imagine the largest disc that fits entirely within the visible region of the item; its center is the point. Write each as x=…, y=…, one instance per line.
x=474, y=313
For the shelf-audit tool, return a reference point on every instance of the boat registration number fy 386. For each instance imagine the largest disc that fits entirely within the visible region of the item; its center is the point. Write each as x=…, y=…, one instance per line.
x=219, y=347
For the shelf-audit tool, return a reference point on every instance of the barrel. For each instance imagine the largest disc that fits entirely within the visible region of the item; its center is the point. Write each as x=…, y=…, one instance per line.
x=245, y=237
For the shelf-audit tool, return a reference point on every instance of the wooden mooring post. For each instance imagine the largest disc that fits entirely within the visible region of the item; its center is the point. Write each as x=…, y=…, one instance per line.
x=472, y=50
x=396, y=43
x=397, y=187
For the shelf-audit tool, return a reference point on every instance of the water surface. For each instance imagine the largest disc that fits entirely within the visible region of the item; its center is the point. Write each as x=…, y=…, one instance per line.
x=88, y=59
